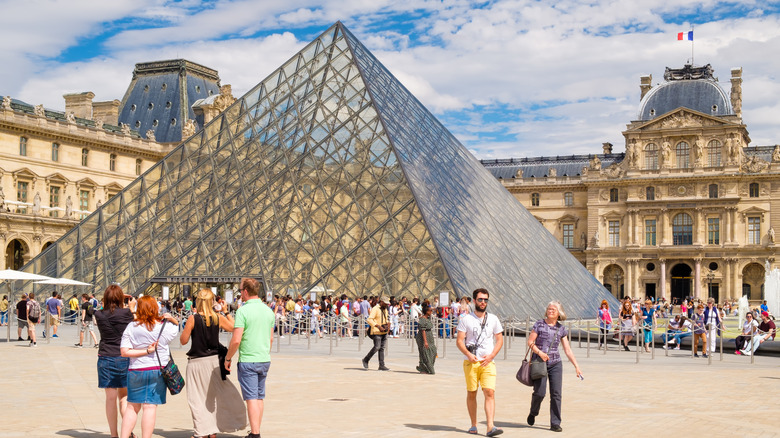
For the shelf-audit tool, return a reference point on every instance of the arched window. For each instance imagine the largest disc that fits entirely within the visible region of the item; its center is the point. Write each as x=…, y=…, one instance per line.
x=534, y=199
x=650, y=193
x=568, y=199
x=55, y=152
x=683, y=151
x=651, y=156
x=754, y=190
x=682, y=229
x=138, y=166
x=23, y=146
x=713, y=153
x=84, y=157
x=112, y=162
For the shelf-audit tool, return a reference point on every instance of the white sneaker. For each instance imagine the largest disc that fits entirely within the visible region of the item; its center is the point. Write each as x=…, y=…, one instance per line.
x=677, y=347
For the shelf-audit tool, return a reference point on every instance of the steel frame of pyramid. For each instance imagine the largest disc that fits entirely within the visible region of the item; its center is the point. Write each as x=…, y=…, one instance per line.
x=328, y=174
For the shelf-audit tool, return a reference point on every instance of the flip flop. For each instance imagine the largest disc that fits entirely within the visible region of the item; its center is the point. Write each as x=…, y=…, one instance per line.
x=495, y=431
x=473, y=430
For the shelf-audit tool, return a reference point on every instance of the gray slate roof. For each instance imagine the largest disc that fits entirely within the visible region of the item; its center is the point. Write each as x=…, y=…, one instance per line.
x=538, y=167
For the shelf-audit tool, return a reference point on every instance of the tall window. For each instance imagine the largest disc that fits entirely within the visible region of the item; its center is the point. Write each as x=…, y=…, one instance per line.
x=650, y=193
x=754, y=230
x=21, y=195
x=713, y=153
x=754, y=190
x=614, y=233
x=568, y=199
x=534, y=199
x=84, y=157
x=55, y=152
x=568, y=235
x=613, y=195
x=682, y=229
x=713, y=191
x=23, y=146
x=651, y=156
x=83, y=202
x=138, y=166
x=54, y=200
x=112, y=162
x=650, y=232
x=683, y=151
x=713, y=231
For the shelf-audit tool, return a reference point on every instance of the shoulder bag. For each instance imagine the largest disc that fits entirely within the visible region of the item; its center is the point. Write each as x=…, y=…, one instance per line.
x=538, y=366
x=170, y=372
x=524, y=373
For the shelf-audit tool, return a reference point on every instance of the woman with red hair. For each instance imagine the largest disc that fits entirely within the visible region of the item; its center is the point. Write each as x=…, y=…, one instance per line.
x=142, y=341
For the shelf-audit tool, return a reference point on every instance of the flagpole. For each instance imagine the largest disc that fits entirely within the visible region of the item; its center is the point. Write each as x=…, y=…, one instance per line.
x=692, y=38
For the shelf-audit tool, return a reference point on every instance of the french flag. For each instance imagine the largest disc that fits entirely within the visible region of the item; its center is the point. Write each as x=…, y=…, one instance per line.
x=685, y=36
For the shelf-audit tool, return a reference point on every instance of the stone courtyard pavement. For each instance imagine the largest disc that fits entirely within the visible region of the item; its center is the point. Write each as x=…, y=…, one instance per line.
x=51, y=391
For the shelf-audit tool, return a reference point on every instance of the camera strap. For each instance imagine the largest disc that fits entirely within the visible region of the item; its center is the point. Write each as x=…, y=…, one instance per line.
x=478, y=341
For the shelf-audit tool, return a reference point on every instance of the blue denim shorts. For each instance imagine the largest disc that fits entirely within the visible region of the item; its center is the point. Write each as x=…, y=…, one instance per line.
x=251, y=377
x=112, y=371
x=146, y=387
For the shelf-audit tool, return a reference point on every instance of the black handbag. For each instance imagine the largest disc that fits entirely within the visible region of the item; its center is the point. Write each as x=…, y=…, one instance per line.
x=170, y=372
x=538, y=366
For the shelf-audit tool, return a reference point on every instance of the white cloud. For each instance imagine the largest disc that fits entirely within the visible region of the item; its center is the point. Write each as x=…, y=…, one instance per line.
x=566, y=73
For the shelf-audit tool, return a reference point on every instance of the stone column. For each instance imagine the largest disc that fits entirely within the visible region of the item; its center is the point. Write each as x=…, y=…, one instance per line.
x=725, y=282
x=697, y=226
x=630, y=228
x=662, y=229
x=697, y=278
x=725, y=227
x=733, y=224
x=663, y=280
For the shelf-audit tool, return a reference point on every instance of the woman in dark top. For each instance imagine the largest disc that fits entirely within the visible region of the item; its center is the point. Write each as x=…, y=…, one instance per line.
x=215, y=403
x=112, y=367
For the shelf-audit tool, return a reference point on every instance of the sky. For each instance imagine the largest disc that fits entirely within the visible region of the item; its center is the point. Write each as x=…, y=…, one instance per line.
x=509, y=78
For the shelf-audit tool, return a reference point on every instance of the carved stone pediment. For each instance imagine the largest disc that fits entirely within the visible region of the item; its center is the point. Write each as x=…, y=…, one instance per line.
x=682, y=118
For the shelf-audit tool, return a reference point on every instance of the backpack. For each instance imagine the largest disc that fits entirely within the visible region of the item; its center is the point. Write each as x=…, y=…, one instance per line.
x=35, y=309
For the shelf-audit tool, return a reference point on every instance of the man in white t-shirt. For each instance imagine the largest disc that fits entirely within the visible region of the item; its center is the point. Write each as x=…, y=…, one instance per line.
x=480, y=338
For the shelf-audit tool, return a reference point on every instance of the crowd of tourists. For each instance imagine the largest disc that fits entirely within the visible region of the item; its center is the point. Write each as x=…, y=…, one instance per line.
x=703, y=321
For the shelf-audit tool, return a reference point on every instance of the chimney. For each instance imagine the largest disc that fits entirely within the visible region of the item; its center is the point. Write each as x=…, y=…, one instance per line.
x=606, y=147
x=645, y=84
x=80, y=104
x=107, y=111
x=736, y=91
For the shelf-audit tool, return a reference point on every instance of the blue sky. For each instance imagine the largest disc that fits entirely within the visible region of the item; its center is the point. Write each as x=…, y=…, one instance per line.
x=509, y=78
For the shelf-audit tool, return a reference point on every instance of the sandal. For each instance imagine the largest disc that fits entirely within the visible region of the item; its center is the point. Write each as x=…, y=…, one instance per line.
x=473, y=430
x=495, y=431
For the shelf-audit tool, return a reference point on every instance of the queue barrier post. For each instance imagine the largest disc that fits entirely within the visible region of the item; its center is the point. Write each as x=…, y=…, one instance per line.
x=637, y=342
x=588, y=346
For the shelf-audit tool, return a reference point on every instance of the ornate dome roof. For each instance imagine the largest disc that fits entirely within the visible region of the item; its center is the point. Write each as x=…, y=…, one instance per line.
x=690, y=87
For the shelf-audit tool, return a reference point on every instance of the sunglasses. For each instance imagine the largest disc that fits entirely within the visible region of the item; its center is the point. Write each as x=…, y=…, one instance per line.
x=482, y=300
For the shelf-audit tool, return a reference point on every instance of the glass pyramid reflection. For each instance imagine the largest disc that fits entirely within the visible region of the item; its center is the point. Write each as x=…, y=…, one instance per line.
x=328, y=174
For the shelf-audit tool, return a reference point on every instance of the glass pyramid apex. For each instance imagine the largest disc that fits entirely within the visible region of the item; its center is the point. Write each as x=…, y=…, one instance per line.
x=327, y=175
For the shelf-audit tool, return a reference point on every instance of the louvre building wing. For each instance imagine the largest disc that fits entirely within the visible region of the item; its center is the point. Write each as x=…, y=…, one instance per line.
x=328, y=174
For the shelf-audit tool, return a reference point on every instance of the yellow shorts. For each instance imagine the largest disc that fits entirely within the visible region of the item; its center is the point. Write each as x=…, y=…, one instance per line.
x=53, y=320
x=477, y=375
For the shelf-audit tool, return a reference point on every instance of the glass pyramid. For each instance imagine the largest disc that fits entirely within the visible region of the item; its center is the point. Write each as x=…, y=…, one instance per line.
x=328, y=174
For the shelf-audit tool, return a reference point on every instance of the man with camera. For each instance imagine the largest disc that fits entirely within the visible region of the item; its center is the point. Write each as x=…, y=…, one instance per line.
x=380, y=324
x=480, y=338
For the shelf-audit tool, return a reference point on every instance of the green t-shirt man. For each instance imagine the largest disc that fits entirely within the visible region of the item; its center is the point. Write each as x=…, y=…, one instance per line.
x=187, y=305
x=257, y=320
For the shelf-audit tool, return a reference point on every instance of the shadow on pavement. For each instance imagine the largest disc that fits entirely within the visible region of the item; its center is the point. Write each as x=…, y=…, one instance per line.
x=434, y=427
